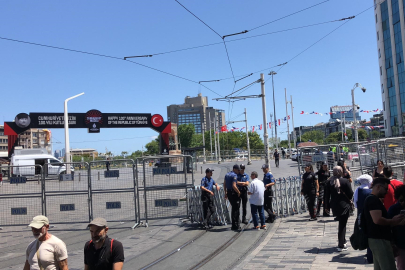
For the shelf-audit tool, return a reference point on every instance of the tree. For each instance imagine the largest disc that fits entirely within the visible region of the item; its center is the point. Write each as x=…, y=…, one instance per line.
x=375, y=134
x=317, y=136
x=283, y=143
x=362, y=134
x=255, y=141
x=334, y=137
x=152, y=148
x=124, y=153
x=185, y=133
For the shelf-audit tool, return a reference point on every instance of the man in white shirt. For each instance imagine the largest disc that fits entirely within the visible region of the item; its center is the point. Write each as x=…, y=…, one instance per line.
x=47, y=252
x=256, y=192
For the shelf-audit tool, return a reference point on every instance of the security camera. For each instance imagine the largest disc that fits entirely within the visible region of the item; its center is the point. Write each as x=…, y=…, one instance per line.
x=363, y=89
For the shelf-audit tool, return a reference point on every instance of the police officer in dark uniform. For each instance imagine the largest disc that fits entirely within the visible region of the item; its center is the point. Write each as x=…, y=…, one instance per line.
x=268, y=182
x=232, y=193
x=207, y=197
x=243, y=183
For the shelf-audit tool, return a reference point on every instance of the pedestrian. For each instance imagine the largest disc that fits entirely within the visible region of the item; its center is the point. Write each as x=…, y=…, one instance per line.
x=378, y=226
x=399, y=231
x=389, y=198
x=268, y=182
x=331, y=158
x=310, y=190
x=360, y=195
x=346, y=170
x=283, y=152
x=232, y=193
x=340, y=192
x=276, y=158
x=207, y=197
x=102, y=252
x=46, y=251
x=379, y=171
x=323, y=175
x=256, y=192
x=242, y=184
x=107, y=164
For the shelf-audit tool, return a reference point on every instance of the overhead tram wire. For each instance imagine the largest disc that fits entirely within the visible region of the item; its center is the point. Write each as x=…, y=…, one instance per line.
x=105, y=56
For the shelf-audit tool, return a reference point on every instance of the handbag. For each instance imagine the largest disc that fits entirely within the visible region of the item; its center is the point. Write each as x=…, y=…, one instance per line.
x=359, y=239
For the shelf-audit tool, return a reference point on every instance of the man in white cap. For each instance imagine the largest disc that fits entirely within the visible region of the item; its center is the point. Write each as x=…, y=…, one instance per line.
x=102, y=252
x=47, y=251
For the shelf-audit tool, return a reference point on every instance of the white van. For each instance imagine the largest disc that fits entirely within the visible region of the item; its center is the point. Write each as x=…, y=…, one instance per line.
x=28, y=158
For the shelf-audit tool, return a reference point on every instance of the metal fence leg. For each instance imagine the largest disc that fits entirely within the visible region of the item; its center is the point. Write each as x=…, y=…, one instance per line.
x=135, y=195
x=144, y=193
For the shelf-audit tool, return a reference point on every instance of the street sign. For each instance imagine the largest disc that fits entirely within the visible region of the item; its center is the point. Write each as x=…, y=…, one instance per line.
x=113, y=205
x=19, y=211
x=66, y=177
x=166, y=203
x=67, y=207
x=112, y=174
x=18, y=180
x=165, y=170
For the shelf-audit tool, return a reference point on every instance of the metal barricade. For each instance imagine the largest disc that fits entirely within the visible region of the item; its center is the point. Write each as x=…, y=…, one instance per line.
x=393, y=151
x=21, y=195
x=315, y=155
x=164, y=185
x=113, y=190
x=66, y=196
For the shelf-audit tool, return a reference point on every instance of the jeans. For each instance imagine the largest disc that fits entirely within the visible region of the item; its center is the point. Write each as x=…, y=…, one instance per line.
x=254, y=209
x=208, y=207
x=342, y=230
x=244, y=198
x=382, y=254
x=234, y=199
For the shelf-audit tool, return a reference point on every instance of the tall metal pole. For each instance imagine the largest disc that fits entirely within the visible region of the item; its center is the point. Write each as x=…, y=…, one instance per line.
x=286, y=117
x=272, y=132
x=67, y=143
x=209, y=116
x=356, y=136
x=247, y=138
x=272, y=73
x=265, y=135
x=203, y=137
x=344, y=124
x=215, y=138
x=219, y=147
x=292, y=120
x=341, y=124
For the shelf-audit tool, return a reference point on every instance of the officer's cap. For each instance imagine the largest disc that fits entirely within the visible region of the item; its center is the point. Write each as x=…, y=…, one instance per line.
x=265, y=166
x=236, y=166
x=242, y=166
x=208, y=170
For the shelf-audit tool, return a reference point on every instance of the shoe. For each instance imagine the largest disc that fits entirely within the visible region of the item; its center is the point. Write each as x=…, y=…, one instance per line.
x=210, y=226
x=263, y=227
x=345, y=246
x=258, y=228
x=318, y=214
x=313, y=219
x=236, y=228
x=245, y=221
x=336, y=219
x=341, y=249
x=326, y=215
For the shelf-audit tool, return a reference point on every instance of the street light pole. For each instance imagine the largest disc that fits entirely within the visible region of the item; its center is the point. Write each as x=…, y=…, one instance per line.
x=356, y=135
x=286, y=117
x=272, y=132
x=247, y=138
x=67, y=144
x=265, y=135
x=292, y=120
x=272, y=73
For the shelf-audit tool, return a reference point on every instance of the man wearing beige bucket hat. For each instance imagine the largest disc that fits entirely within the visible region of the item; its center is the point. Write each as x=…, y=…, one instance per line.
x=47, y=251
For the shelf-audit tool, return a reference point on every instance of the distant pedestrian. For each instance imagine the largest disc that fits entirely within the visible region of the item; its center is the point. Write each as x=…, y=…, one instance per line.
x=243, y=183
x=107, y=164
x=207, y=197
x=47, y=251
x=399, y=231
x=310, y=190
x=232, y=193
x=378, y=226
x=323, y=175
x=102, y=252
x=256, y=192
x=379, y=171
x=360, y=195
x=389, y=198
x=340, y=192
x=283, y=152
x=268, y=182
x=276, y=158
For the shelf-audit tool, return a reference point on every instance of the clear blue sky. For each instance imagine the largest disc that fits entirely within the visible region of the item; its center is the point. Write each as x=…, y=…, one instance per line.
x=38, y=79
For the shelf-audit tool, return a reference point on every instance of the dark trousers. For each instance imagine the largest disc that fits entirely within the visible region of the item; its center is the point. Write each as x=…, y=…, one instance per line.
x=208, y=207
x=254, y=209
x=244, y=198
x=277, y=161
x=342, y=229
x=321, y=200
x=310, y=199
x=268, y=204
x=234, y=199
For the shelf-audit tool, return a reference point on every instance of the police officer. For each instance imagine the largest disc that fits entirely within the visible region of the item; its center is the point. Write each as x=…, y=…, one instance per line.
x=243, y=183
x=232, y=193
x=268, y=182
x=207, y=196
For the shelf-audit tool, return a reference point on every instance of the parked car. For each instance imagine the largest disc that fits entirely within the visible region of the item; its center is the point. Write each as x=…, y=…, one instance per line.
x=295, y=156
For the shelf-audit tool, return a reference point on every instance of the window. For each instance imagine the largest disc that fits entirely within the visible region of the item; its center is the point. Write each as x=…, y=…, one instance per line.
x=379, y=53
x=376, y=20
x=34, y=134
x=378, y=36
x=383, y=105
x=380, y=71
x=382, y=88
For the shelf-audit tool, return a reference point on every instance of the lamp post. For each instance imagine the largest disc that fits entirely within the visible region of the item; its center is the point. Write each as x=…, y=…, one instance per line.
x=66, y=119
x=356, y=135
x=272, y=73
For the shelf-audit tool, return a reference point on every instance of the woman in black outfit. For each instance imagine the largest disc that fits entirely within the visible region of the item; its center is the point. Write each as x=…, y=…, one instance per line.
x=339, y=190
x=310, y=189
x=323, y=176
x=378, y=172
x=346, y=172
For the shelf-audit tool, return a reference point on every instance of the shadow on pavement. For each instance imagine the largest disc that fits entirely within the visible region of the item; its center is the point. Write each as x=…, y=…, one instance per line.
x=326, y=221
x=341, y=258
x=329, y=250
x=297, y=220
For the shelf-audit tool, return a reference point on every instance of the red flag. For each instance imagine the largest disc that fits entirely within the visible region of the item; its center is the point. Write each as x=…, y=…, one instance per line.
x=261, y=126
x=302, y=112
x=224, y=129
x=269, y=124
x=288, y=117
x=253, y=129
x=278, y=121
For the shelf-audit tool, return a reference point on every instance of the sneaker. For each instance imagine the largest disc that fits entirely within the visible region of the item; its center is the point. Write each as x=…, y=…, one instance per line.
x=263, y=227
x=258, y=228
x=318, y=214
x=345, y=246
x=245, y=221
x=341, y=249
x=313, y=219
x=210, y=226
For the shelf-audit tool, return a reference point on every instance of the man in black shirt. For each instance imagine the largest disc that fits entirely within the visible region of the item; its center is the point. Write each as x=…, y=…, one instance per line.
x=102, y=252
x=378, y=226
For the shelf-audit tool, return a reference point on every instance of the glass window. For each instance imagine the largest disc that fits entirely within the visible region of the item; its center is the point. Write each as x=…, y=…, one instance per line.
x=378, y=36
x=382, y=88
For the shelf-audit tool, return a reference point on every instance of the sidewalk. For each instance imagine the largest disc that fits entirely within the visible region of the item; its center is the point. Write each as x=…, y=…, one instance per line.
x=296, y=243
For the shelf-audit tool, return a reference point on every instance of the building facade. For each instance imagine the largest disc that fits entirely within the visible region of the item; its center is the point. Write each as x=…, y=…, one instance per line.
x=195, y=111
x=343, y=113
x=390, y=33
x=36, y=138
x=3, y=140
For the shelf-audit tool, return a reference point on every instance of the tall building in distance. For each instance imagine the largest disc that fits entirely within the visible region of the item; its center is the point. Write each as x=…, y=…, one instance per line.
x=36, y=138
x=390, y=30
x=3, y=141
x=343, y=113
x=195, y=111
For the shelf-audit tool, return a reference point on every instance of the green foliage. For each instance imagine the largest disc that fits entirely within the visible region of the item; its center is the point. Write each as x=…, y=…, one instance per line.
x=317, y=136
x=283, y=143
x=152, y=148
x=185, y=133
x=375, y=134
x=334, y=137
x=362, y=134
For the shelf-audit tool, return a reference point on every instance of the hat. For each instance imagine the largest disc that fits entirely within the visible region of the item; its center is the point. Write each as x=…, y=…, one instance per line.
x=265, y=166
x=99, y=222
x=242, y=166
x=208, y=170
x=39, y=221
x=236, y=166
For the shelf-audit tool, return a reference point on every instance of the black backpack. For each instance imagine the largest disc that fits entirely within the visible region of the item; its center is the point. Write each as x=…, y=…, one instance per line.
x=359, y=239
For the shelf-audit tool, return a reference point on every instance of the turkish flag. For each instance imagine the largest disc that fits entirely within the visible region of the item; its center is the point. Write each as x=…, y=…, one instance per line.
x=224, y=128
x=302, y=112
x=278, y=121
